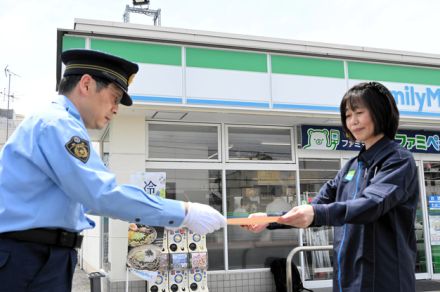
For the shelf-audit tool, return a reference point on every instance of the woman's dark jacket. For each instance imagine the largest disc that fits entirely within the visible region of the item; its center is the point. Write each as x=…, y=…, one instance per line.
x=372, y=205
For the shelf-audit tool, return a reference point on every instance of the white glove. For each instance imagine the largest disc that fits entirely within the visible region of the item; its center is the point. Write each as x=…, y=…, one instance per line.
x=203, y=219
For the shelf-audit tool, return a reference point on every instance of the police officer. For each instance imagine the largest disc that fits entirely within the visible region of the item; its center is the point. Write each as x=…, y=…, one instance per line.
x=50, y=175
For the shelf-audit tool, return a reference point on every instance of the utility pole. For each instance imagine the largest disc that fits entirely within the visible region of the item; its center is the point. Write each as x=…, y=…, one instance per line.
x=8, y=73
x=146, y=11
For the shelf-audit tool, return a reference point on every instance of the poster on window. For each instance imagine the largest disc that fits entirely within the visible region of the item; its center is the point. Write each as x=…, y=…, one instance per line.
x=434, y=204
x=153, y=183
x=434, y=228
x=146, y=244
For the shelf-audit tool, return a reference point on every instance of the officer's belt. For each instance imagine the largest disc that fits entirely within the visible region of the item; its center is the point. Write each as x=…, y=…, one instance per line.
x=56, y=237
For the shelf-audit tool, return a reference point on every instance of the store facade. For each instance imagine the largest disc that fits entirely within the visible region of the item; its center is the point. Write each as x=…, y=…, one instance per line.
x=251, y=124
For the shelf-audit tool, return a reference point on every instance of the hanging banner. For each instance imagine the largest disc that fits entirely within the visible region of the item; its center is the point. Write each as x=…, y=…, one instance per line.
x=334, y=138
x=434, y=229
x=146, y=244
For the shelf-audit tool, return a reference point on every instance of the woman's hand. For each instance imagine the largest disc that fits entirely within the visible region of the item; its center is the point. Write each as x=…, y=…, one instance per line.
x=299, y=216
x=256, y=228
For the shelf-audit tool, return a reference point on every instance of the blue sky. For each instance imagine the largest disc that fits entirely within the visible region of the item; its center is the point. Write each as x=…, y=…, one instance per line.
x=28, y=29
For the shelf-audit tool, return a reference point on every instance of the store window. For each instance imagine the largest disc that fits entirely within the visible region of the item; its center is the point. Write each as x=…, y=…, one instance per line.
x=250, y=191
x=200, y=186
x=254, y=143
x=313, y=174
x=105, y=239
x=183, y=141
x=432, y=185
x=247, y=191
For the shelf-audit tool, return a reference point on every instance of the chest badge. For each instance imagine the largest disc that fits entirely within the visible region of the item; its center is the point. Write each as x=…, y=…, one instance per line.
x=78, y=148
x=350, y=174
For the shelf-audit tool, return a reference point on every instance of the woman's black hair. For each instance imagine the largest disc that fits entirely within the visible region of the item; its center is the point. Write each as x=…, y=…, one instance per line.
x=380, y=103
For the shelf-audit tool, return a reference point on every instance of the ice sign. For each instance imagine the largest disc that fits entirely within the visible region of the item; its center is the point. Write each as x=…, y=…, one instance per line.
x=150, y=187
x=153, y=183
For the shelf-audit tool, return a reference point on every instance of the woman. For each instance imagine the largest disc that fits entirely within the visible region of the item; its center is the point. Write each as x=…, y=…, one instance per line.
x=371, y=202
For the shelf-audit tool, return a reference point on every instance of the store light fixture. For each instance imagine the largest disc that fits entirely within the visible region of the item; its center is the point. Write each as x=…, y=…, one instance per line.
x=141, y=2
x=275, y=143
x=169, y=115
x=404, y=125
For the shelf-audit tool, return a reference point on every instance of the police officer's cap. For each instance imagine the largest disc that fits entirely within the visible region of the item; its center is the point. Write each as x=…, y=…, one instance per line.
x=117, y=70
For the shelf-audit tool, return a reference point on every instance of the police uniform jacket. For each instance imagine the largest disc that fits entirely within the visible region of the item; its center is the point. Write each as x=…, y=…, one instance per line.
x=372, y=204
x=50, y=176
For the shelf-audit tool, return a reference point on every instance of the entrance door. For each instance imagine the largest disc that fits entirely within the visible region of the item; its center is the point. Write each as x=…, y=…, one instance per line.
x=431, y=178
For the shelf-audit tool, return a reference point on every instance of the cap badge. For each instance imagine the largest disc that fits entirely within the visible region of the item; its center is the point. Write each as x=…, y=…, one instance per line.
x=130, y=79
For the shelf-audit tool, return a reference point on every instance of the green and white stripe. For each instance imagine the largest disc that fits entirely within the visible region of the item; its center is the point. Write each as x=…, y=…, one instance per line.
x=415, y=89
x=160, y=66
x=393, y=73
x=140, y=52
x=226, y=76
x=306, y=81
x=221, y=77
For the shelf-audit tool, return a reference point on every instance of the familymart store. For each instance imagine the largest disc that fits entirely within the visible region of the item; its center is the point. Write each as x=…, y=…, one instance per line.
x=250, y=124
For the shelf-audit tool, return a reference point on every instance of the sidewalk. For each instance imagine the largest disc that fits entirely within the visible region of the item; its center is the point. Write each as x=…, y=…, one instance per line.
x=81, y=282
x=428, y=285
x=421, y=286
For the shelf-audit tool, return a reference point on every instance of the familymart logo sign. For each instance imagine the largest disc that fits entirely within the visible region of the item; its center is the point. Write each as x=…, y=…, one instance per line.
x=418, y=99
x=334, y=138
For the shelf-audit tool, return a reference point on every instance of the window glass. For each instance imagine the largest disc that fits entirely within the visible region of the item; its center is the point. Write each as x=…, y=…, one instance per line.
x=432, y=184
x=313, y=174
x=250, y=191
x=180, y=141
x=105, y=238
x=200, y=186
x=247, y=143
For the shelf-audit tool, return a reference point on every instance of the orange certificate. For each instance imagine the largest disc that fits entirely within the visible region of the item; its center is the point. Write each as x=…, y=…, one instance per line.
x=252, y=220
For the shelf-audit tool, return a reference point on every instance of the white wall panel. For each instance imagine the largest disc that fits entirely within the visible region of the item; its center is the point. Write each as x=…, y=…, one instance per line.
x=157, y=80
x=306, y=90
x=227, y=85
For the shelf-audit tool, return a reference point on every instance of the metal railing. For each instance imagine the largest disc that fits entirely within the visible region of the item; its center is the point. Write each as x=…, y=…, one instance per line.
x=294, y=252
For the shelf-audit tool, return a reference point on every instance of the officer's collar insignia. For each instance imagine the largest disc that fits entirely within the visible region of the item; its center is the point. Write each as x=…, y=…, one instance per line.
x=78, y=148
